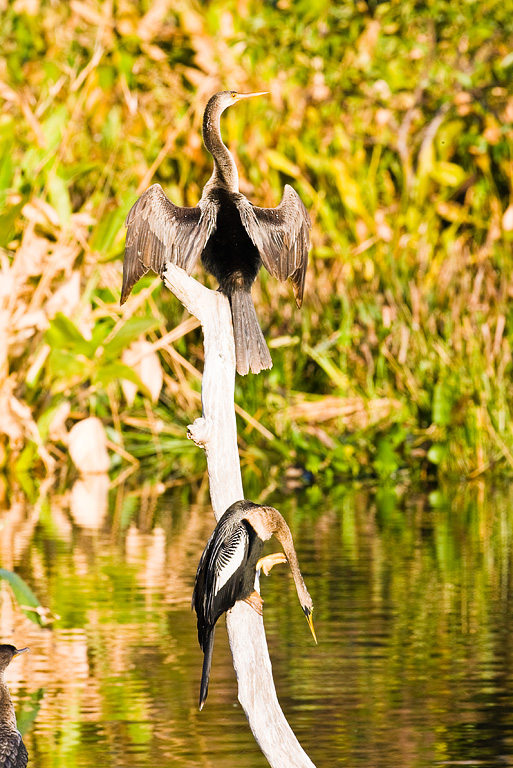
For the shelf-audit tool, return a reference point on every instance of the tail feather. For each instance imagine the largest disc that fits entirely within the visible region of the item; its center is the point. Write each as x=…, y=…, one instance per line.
x=207, y=663
x=251, y=352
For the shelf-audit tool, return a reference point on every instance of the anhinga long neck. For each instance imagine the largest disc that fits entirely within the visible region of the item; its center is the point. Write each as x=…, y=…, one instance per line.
x=284, y=536
x=268, y=521
x=225, y=171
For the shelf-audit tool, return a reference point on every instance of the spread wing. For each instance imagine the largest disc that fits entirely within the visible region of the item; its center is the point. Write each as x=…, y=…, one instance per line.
x=12, y=749
x=159, y=232
x=282, y=237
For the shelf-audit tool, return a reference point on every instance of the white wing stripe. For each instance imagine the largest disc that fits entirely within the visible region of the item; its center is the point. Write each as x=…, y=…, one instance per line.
x=228, y=563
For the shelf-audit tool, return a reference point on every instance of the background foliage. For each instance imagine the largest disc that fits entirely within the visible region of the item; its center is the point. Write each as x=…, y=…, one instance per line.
x=393, y=121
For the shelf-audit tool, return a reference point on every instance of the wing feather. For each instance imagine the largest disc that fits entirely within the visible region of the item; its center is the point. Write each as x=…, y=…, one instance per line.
x=282, y=236
x=232, y=555
x=13, y=753
x=216, y=586
x=159, y=232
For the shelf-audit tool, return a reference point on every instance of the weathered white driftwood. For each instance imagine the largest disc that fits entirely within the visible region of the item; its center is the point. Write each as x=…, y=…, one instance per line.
x=216, y=432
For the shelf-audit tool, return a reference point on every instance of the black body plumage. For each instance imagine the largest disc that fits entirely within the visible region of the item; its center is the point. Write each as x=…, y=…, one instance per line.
x=232, y=237
x=221, y=256
x=233, y=259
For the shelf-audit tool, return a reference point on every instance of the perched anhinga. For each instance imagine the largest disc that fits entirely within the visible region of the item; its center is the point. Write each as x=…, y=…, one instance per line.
x=227, y=571
x=13, y=753
x=232, y=237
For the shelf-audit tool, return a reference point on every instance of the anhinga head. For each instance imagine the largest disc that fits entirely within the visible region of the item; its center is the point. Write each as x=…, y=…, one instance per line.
x=224, y=99
x=8, y=653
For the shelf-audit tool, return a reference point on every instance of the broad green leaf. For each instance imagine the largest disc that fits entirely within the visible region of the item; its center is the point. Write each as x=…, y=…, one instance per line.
x=131, y=330
x=448, y=174
x=23, y=594
x=114, y=372
x=447, y=137
x=99, y=334
x=67, y=369
x=63, y=334
x=24, y=469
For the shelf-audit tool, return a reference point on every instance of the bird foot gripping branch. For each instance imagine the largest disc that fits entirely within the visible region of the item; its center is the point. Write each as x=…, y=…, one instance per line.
x=256, y=602
x=268, y=562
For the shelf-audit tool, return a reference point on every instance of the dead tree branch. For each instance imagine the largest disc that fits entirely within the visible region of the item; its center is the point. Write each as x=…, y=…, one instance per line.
x=216, y=433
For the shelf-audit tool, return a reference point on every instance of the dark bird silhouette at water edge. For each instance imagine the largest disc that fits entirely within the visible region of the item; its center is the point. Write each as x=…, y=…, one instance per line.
x=13, y=753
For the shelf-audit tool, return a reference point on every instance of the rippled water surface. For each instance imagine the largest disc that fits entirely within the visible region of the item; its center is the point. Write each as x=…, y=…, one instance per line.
x=413, y=612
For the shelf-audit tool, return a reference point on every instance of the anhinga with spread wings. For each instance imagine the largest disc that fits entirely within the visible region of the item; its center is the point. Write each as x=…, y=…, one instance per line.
x=13, y=753
x=228, y=568
x=232, y=237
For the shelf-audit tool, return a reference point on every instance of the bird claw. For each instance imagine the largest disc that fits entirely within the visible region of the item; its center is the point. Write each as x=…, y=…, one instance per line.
x=256, y=602
x=268, y=562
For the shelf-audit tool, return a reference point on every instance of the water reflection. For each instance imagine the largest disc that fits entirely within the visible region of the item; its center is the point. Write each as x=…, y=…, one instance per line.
x=412, y=609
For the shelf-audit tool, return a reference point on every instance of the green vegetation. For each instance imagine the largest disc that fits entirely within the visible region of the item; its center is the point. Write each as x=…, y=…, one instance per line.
x=393, y=121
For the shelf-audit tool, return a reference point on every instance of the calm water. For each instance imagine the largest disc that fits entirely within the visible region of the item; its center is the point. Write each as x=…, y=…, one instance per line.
x=413, y=599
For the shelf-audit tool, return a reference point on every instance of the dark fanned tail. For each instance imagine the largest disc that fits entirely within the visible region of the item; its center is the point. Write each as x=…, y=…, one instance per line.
x=251, y=352
x=208, y=649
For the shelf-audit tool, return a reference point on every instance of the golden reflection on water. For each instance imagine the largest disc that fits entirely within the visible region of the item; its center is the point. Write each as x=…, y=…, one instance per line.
x=412, y=608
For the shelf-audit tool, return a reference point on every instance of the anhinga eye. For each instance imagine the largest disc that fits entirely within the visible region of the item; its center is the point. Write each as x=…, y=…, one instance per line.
x=234, y=94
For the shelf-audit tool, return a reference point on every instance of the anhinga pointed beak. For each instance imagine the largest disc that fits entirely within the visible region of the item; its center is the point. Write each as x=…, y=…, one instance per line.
x=250, y=95
x=309, y=619
x=19, y=651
